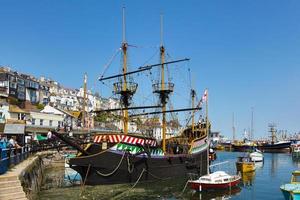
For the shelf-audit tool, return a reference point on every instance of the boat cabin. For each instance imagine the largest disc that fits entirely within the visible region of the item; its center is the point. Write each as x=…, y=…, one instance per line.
x=244, y=159
x=216, y=177
x=295, y=177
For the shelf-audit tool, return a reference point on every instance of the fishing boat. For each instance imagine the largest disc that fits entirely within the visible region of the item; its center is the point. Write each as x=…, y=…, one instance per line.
x=275, y=146
x=227, y=145
x=216, y=180
x=124, y=157
x=256, y=156
x=219, y=147
x=245, y=164
x=292, y=190
x=245, y=146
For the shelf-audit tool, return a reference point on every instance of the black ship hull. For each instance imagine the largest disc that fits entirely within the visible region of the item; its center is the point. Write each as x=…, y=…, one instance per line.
x=243, y=148
x=114, y=166
x=276, y=148
x=99, y=169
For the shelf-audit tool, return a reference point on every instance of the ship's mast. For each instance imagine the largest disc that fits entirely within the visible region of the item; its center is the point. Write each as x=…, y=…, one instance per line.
x=252, y=130
x=125, y=88
x=162, y=88
x=233, y=128
x=193, y=94
x=162, y=60
x=206, y=110
x=207, y=128
x=124, y=49
x=273, y=132
x=84, y=101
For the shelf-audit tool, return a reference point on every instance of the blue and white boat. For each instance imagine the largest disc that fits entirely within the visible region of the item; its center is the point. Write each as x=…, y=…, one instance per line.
x=291, y=191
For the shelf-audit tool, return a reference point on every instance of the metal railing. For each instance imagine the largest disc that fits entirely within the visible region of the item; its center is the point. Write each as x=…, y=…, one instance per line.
x=12, y=156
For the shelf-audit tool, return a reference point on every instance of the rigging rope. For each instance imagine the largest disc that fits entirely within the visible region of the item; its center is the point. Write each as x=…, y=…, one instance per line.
x=110, y=61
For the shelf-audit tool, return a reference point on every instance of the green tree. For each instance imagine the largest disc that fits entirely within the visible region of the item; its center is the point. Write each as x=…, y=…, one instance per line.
x=40, y=106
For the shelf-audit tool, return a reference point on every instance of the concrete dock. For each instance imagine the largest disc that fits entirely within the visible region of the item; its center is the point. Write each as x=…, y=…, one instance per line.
x=11, y=182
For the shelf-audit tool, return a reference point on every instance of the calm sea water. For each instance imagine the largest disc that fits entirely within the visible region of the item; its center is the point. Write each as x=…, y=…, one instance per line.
x=263, y=184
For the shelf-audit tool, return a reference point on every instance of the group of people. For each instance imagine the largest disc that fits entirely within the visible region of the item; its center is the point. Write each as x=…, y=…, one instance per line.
x=10, y=142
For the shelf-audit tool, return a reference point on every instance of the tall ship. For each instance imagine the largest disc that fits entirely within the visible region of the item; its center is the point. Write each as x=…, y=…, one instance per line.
x=275, y=145
x=124, y=157
x=247, y=144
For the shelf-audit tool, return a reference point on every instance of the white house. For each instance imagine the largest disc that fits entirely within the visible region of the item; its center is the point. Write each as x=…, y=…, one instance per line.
x=69, y=120
x=4, y=112
x=45, y=119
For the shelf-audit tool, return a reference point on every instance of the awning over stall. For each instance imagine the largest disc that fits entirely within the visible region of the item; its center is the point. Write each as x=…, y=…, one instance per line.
x=14, y=129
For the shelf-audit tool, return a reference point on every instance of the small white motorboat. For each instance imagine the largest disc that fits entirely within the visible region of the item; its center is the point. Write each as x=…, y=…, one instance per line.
x=256, y=156
x=216, y=180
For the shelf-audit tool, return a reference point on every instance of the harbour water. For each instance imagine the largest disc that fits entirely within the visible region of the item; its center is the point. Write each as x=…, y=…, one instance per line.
x=263, y=184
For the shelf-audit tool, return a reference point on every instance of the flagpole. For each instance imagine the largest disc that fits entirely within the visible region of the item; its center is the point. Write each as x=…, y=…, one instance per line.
x=207, y=128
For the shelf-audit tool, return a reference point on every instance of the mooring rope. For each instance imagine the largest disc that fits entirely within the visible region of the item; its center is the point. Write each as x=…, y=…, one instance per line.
x=138, y=179
x=163, y=179
x=136, y=182
x=111, y=173
x=184, y=188
x=86, y=175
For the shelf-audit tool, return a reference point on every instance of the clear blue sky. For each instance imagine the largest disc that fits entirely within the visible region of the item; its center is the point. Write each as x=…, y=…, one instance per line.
x=246, y=52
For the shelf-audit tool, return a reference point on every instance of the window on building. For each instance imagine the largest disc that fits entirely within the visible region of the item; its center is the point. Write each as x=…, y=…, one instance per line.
x=33, y=96
x=45, y=101
x=20, y=117
x=33, y=121
x=21, y=88
x=41, y=122
x=21, y=81
x=59, y=123
x=21, y=95
x=12, y=78
x=50, y=123
x=3, y=83
x=13, y=85
x=12, y=92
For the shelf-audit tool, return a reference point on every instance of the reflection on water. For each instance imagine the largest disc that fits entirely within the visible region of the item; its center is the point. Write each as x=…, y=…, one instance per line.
x=247, y=178
x=296, y=161
x=274, y=158
x=216, y=194
x=259, y=165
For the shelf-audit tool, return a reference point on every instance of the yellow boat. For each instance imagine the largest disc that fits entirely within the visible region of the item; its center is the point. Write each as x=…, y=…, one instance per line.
x=244, y=164
x=220, y=147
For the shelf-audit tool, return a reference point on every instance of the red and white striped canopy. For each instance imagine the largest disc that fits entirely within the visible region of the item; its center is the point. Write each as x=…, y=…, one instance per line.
x=124, y=139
